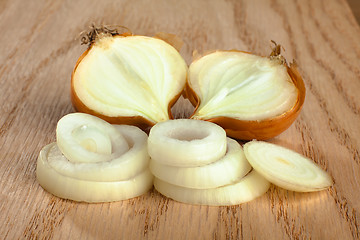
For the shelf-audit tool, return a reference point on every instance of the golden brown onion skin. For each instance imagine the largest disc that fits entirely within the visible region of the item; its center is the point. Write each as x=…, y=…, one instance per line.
x=138, y=121
x=263, y=129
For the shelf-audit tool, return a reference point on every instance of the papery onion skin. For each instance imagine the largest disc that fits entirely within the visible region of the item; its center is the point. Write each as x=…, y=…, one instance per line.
x=262, y=129
x=137, y=121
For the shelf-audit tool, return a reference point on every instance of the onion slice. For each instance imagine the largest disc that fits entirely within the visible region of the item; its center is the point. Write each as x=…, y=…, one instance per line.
x=88, y=191
x=85, y=138
x=186, y=142
x=245, y=189
x=226, y=170
x=94, y=161
x=126, y=166
x=286, y=168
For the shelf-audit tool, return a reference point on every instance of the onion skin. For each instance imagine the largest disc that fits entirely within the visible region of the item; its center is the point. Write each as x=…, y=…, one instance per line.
x=260, y=130
x=137, y=121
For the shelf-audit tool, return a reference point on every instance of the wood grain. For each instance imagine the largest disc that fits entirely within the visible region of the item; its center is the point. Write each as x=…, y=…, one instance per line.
x=39, y=47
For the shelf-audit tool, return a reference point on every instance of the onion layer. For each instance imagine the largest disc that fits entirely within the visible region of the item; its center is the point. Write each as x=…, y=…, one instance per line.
x=245, y=189
x=226, y=170
x=186, y=142
x=286, y=168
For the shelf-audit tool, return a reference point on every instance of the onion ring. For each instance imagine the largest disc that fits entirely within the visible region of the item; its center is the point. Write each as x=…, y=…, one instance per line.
x=226, y=170
x=121, y=168
x=89, y=191
x=245, y=189
x=70, y=138
x=186, y=142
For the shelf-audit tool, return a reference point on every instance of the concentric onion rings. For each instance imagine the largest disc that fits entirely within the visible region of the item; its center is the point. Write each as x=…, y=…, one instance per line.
x=226, y=170
x=186, y=142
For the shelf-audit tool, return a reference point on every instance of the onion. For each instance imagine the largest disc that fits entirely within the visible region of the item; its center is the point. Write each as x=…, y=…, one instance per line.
x=127, y=79
x=88, y=191
x=191, y=166
x=86, y=138
x=117, y=176
x=251, y=97
x=286, y=168
x=125, y=166
x=186, y=142
x=243, y=190
x=226, y=170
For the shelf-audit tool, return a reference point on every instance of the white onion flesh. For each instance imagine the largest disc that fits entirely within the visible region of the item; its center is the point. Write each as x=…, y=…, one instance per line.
x=286, y=168
x=120, y=173
x=125, y=166
x=186, y=142
x=245, y=189
x=75, y=131
x=241, y=85
x=226, y=170
x=130, y=76
x=89, y=191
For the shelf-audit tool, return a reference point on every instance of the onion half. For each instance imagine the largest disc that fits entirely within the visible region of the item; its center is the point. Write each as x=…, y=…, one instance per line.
x=127, y=79
x=251, y=97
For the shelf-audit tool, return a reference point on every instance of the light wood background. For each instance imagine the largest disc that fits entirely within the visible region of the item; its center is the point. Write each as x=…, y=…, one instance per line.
x=39, y=48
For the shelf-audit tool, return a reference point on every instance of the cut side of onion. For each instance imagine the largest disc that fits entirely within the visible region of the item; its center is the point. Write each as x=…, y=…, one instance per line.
x=89, y=191
x=186, y=143
x=250, y=96
x=128, y=79
x=245, y=189
x=286, y=168
x=226, y=170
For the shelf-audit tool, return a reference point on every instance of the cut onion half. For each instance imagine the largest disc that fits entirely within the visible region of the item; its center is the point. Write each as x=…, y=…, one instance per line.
x=245, y=189
x=226, y=170
x=250, y=96
x=286, y=168
x=85, y=138
x=128, y=79
x=186, y=143
x=89, y=191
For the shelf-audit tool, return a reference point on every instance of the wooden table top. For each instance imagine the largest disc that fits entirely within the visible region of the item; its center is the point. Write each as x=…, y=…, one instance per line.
x=39, y=46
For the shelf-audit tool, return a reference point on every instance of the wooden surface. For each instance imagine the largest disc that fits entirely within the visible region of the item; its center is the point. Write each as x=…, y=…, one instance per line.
x=355, y=7
x=39, y=47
